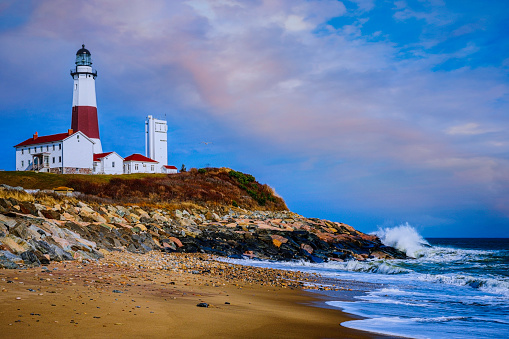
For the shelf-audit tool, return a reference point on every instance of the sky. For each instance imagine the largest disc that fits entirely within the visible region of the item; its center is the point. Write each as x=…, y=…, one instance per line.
x=369, y=112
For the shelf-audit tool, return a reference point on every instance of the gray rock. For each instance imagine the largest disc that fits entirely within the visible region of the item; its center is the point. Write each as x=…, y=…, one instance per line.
x=7, y=263
x=30, y=258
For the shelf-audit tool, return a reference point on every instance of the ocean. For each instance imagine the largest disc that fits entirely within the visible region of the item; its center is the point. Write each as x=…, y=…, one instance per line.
x=452, y=288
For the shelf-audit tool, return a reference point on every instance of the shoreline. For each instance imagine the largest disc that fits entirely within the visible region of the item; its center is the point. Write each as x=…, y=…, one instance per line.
x=156, y=295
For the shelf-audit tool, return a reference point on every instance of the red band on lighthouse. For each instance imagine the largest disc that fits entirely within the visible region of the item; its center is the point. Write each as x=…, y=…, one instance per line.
x=84, y=119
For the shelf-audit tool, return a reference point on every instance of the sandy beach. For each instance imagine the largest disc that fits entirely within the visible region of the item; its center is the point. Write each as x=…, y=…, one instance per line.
x=156, y=295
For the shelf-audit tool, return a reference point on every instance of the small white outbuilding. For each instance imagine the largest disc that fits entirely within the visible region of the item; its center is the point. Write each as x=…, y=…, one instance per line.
x=169, y=169
x=137, y=163
x=108, y=163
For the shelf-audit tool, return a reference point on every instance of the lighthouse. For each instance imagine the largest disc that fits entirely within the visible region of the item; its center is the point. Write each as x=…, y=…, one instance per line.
x=84, y=105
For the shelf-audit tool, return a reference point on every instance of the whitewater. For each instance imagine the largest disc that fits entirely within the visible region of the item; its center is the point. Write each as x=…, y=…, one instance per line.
x=449, y=288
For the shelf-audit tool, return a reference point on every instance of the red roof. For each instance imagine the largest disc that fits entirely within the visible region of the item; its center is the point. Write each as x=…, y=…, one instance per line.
x=44, y=139
x=139, y=157
x=99, y=156
x=170, y=167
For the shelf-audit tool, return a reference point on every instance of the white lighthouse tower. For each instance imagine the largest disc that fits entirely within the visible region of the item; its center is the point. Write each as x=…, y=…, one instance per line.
x=84, y=105
x=156, y=145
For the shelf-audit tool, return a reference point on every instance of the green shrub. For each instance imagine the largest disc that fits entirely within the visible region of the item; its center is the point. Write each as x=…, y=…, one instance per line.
x=247, y=183
x=242, y=178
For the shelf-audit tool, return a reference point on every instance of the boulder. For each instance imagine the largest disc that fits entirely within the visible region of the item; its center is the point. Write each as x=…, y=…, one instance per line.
x=176, y=241
x=7, y=221
x=14, y=244
x=7, y=263
x=30, y=258
x=28, y=208
x=278, y=240
x=306, y=248
x=50, y=214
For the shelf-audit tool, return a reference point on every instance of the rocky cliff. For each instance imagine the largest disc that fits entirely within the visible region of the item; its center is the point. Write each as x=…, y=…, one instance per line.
x=36, y=229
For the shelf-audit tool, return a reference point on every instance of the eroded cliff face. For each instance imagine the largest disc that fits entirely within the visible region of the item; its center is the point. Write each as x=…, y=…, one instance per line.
x=35, y=230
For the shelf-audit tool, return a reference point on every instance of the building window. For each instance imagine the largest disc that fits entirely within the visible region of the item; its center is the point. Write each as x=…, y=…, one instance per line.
x=28, y=150
x=152, y=167
x=22, y=151
x=29, y=162
x=136, y=167
x=53, y=159
x=59, y=146
x=22, y=163
x=47, y=148
x=113, y=164
x=53, y=147
x=41, y=149
x=59, y=159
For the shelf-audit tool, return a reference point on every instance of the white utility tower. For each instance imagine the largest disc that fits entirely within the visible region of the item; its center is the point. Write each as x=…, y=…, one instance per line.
x=156, y=140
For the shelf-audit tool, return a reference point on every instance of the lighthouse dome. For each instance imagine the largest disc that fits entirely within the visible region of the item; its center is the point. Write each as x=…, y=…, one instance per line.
x=83, y=57
x=83, y=50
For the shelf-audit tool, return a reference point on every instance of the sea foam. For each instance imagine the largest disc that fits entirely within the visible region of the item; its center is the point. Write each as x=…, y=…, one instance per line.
x=405, y=238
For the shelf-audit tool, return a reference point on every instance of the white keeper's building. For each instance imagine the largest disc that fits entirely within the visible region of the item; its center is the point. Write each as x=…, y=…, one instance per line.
x=58, y=153
x=79, y=150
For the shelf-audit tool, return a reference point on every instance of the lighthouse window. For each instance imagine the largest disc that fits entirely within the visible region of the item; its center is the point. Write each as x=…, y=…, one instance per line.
x=53, y=147
x=59, y=159
x=76, y=86
x=22, y=163
x=53, y=159
x=22, y=151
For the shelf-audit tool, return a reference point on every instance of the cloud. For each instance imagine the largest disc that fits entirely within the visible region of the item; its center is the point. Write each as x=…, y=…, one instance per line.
x=470, y=128
x=364, y=5
x=432, y=12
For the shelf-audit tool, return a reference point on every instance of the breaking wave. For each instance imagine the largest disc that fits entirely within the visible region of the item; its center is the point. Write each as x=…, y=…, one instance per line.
x=405, y=238
x=497, y=285
x=379, y=266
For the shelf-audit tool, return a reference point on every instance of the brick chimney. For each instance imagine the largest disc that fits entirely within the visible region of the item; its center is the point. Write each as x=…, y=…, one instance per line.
x=69, y=132
x=35, y=135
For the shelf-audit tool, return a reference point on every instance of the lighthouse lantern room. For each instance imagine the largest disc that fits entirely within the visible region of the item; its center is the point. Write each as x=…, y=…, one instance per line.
x=84, y=105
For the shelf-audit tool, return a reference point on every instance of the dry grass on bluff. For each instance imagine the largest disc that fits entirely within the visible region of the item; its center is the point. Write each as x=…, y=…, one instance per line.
x=205, y=187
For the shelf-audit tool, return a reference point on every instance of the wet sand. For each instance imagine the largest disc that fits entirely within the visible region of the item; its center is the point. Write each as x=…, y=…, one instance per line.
x=156, y=295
